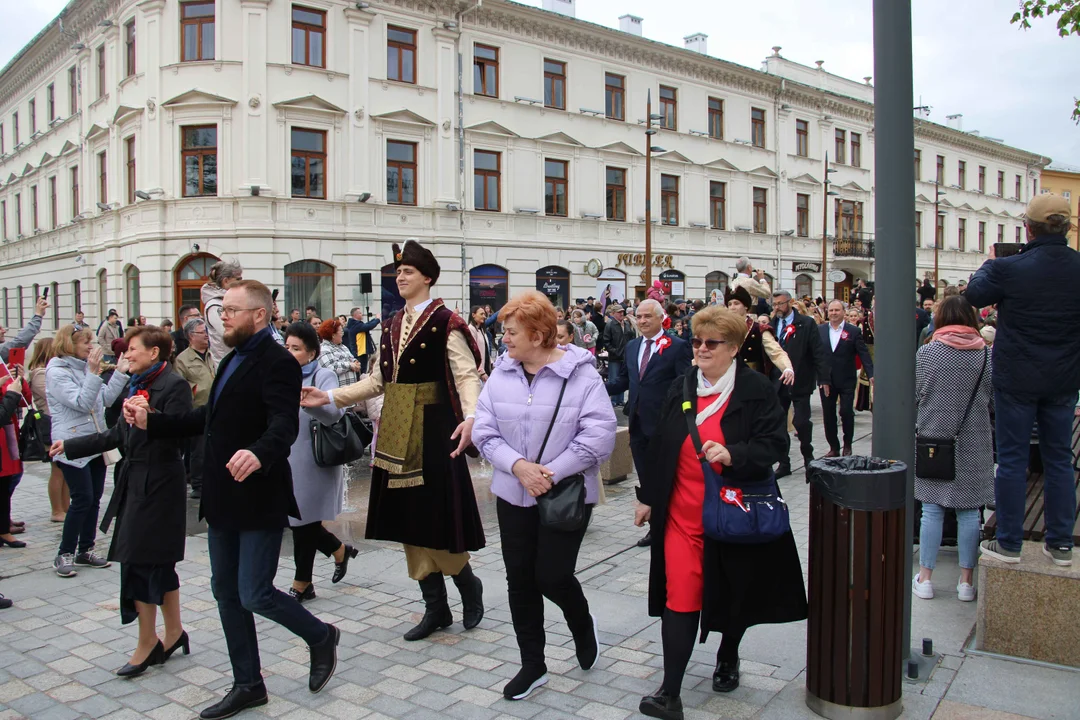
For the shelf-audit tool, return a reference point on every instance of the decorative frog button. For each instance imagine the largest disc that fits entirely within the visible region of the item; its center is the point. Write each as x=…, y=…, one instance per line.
x=423, y=346
x=412, y=361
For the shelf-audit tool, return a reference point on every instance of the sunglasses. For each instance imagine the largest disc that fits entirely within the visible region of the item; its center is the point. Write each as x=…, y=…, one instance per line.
x=709, y=344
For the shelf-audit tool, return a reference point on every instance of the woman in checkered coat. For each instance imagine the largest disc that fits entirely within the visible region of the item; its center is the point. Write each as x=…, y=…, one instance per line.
x=947, y=370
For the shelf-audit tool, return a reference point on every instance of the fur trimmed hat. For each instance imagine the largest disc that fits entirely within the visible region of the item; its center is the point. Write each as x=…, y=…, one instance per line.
x=416, y=255
x=738, y=293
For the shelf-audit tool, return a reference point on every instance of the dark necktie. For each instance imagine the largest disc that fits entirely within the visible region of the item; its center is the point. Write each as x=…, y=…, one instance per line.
x=645, y=358
x=780, y=330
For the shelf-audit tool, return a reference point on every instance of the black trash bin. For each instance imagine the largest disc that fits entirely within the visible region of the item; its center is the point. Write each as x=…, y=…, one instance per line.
x=857, y=585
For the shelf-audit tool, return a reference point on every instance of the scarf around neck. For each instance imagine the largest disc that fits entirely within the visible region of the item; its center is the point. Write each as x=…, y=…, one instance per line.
x=309, y=369
x=721, y=390
x=142, y=381
x=960, y=337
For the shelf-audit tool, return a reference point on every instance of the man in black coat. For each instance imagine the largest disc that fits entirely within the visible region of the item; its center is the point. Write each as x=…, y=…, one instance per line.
x=799, y=336
x=249, y=426
x=179, y=337
x=844, y=342
x=650, y=364
x=617, y=335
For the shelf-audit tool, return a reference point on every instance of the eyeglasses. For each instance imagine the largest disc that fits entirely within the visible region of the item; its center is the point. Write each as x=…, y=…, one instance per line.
x=198, y=332
x=709, y=344
x=230, y=312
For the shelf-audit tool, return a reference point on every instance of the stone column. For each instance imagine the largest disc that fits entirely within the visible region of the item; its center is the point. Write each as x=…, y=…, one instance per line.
x=254, y=122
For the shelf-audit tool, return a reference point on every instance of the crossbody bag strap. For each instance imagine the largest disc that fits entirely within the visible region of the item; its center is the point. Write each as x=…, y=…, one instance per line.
x=974, y=392
x=690, y=412
x=554, y=413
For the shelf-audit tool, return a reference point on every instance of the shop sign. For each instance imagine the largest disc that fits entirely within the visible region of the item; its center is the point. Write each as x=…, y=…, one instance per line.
x=812, y=267
x=638, y=260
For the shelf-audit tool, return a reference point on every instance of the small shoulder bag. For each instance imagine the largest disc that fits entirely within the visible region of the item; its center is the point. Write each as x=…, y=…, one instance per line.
x=935, y=458
x=335, y=444
x=563, y=506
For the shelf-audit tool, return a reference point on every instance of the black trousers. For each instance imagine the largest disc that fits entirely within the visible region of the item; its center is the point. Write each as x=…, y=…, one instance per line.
x=847, y=415
x=196, y=453
x=307, y=539
x=7, y=488
x=804, y=429
x=540, y=564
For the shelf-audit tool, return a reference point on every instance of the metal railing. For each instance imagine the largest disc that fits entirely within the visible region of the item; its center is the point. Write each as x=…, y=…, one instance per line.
x=857, y=244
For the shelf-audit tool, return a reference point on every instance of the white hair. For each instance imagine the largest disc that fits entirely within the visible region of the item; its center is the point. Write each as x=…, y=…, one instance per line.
x=658, y=312
x=742, y=263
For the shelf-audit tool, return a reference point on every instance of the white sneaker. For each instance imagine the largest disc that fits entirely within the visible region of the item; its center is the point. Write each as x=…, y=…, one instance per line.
x=924, y=590
x=965, y=592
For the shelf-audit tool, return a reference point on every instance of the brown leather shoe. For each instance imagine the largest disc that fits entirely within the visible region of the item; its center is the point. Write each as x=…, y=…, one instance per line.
x=846, y=451
x=831, y=453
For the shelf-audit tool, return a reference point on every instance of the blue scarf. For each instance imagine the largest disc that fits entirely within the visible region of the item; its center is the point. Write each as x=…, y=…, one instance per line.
x=309, y=369
x=142, y=381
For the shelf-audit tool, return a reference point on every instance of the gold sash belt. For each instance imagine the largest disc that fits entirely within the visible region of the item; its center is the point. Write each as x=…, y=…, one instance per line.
x=400, y=450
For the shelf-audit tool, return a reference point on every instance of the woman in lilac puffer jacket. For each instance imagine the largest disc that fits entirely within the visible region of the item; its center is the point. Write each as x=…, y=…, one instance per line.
x=512, y=417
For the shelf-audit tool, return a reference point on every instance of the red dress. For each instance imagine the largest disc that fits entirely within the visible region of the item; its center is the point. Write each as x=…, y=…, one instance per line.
x=684, y=534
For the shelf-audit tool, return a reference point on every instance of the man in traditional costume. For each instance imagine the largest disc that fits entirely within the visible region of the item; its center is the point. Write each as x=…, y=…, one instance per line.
x=421, y=492
x=760, y=351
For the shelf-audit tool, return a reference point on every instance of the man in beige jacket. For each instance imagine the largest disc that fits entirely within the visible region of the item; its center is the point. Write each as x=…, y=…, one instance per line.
x=196, y=366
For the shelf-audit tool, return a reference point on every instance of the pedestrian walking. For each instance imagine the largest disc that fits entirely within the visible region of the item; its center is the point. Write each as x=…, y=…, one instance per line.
x=13, y=393
x=536, y=386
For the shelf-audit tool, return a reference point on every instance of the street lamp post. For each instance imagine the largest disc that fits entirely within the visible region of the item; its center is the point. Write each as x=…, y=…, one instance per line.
x=939, y=230
x=649, y=132
x=825, y=230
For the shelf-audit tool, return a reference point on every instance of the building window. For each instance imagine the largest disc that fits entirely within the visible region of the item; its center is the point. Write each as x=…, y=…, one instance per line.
x=101, y=72
x=669, y=199
x=669, y=108
x=401, y=54
x=757, y=127
x=308, y=163
x=555, y=187
x=802, y=215
x=400, y=172
x=22, y=308
x=939, y=232
x=76, y=296
x=841, y=147
x=15, y=128
x=199, y=157
x=102, y=292
x=982, y=178
x=918, y=165
x=197, y=31
x=616, y=194
x=103, y=177
x=74, y=191
x=129, y=162
x=961, y=234
x=918, y=229
x=555, y=84
x=1016, y=194
x=982, y=237
x=3, y=219
x=55, y=305
x=614, y=96
x=73, y=90
x=802, y=138
x=486, y=70
x=50, y=101
x=856, y=150
x=33, y=208
x=761, y=210
x=940, y=177
x=1001, y=233
x=716, y=118
x=308, y=36
x=1018, y=237
x=1001, y=183
x=133, y=296
x=54, y=215
x=129, y=48
x=487, y=178
x=961, y=174
x=2, y=151
x=310, y=282
x=718, y=204
x=18, y=215
x=32, y=112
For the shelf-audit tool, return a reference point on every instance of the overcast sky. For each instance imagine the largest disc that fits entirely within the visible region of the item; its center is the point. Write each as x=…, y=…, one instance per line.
x=1008, y=83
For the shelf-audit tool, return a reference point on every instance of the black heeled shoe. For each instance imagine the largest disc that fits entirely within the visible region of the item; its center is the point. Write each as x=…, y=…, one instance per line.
x=156, y=657
x=340, y=568
x=302, y=596
x=726, y=676
x=12, y=543
x=181, y=642
x=661, y=705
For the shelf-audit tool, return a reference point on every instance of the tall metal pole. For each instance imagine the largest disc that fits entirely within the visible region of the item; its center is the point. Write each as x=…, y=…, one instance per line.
x=648, y=191
x=894, y=213
x=825, y=231
x=939, y=231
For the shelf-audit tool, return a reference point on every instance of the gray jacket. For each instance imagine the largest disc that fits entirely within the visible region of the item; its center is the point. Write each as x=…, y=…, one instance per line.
x=77, y=399
x=23, y=339
x=319, y=491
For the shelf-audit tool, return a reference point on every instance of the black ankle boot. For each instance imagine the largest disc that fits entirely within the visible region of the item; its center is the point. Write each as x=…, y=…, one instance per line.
x=726, y=676
x=662, y=705
x=437, y=611
x=472, y=597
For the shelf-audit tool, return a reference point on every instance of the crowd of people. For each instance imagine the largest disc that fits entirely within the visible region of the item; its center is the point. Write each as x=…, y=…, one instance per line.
x=235, y=401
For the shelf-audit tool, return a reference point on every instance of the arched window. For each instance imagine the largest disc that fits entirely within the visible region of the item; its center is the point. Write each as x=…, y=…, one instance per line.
x=674, y=282
x=804, y=285
x=132, y=302
x=554, y=281
x=310, y=282
x=613, y=279
x=7, y=314
x=488, y=286
x=391, y=299
x=188, y=279
x=54, y=292
x=22, y=308
x=76, y=296
x=716, y=281
x=103, y=294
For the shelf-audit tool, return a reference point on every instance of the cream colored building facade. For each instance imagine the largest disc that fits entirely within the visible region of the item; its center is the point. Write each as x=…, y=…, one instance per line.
x=304, y=138
x=1065, y=181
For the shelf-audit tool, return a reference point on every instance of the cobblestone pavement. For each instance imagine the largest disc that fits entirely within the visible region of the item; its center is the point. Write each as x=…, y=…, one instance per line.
x=62, y=642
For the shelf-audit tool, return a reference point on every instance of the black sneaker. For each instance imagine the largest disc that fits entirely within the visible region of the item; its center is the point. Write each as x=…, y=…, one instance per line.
x=527, y=680
x=90, y=559
x=5, y=603
x=661, y=705
x=587, y=644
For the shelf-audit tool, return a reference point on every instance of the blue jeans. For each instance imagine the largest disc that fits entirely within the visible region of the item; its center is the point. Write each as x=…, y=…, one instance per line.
x=86, y=484
x=1014, y=419
x=967, y=531
x=614, y=367
x=242, y=565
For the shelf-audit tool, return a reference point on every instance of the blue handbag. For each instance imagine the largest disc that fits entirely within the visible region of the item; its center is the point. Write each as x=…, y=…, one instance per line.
x=746, y=515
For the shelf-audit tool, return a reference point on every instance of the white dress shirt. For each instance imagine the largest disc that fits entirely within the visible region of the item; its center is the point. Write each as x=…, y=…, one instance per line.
x=652, y=348
x=834, y=335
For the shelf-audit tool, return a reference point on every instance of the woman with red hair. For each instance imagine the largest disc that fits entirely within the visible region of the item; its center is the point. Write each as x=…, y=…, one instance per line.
x=334, y=355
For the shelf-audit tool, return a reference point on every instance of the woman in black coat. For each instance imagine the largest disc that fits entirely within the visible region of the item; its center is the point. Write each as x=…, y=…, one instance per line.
x=734, y=586
x=148, y=502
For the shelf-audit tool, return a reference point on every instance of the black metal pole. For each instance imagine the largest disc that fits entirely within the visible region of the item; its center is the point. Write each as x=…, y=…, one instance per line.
x=894, y=214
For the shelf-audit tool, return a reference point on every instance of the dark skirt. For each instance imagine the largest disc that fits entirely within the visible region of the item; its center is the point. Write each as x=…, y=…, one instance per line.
x=146, y=584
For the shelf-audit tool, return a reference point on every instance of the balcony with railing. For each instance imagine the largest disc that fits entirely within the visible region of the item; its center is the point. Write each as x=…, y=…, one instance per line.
x=854, y=245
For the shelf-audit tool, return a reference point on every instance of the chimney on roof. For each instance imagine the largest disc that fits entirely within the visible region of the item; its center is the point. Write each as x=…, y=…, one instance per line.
x=630, y=24
x=776, y=50
x=819, y=63
x=867, y=79
x=563, y=7
x=698, y=42
x=956, y=122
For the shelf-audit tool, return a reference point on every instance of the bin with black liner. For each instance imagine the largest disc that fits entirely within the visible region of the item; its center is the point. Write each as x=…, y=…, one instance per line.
x=856, y=579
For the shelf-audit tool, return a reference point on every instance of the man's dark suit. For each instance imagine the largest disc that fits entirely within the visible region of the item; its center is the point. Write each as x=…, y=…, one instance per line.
x=810, y=361
x=647, y=392
x=843, y=379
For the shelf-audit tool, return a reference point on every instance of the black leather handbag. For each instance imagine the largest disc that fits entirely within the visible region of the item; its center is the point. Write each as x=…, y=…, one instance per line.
x=563, y=506
x=337, y=444
x=35, y=437
x=935, y=458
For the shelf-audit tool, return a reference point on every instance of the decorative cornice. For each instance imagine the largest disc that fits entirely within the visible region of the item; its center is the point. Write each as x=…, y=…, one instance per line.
x=974, y=143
